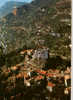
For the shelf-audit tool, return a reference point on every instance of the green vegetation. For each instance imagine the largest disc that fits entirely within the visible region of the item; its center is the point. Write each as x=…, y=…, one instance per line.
x=41, y=25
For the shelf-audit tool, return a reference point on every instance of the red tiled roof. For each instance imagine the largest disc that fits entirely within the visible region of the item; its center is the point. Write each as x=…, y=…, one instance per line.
x=41, y=72
x=51, y=84
x=39, y=77
x=50, y=75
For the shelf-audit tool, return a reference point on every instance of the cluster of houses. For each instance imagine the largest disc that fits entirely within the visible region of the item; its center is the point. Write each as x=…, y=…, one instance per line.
x=45, y=79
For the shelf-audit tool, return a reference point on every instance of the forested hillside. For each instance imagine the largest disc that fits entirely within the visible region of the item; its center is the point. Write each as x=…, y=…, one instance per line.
x=35, y=51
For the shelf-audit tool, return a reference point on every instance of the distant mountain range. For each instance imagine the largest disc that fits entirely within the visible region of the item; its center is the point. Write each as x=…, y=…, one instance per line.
x=8, y=7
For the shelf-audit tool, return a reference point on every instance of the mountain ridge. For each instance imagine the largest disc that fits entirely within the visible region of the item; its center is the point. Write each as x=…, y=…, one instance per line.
x=8, y=7
x=41, y=20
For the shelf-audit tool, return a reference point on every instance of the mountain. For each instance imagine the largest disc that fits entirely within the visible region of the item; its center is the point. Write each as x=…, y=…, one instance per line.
x=8, y=7
x=41, y=22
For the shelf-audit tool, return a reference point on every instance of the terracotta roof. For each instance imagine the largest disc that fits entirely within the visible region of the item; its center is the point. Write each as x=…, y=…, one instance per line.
x=51, y=84
x=50, y=75
x=41, y=72
x=39, y=77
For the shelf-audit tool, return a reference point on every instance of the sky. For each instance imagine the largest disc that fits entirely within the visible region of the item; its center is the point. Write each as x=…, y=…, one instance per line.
x=2, y=2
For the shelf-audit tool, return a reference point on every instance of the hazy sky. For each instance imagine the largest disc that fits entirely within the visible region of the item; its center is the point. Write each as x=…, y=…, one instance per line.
x=3, y=1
